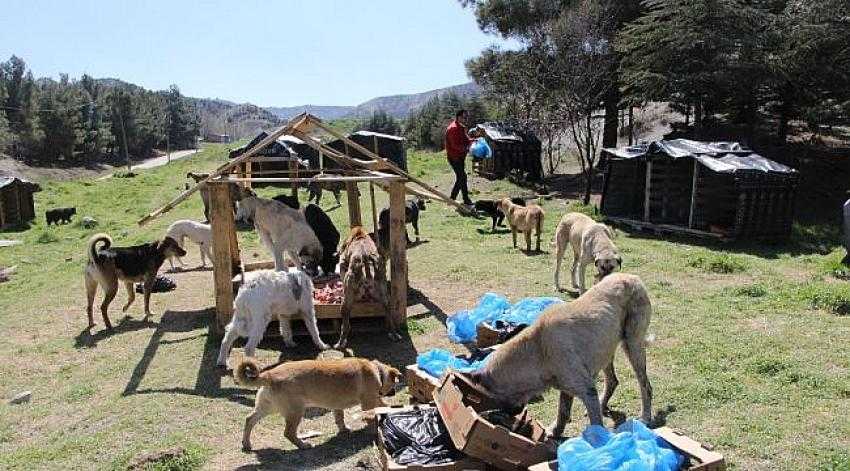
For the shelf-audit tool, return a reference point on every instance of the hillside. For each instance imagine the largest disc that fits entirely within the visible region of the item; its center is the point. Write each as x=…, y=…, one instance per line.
x=237, y=120
x=399, y=106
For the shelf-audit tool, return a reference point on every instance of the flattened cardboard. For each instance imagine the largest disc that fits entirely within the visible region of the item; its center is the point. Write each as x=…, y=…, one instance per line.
x=459, y=406
x=387, y=463
x=700, y=458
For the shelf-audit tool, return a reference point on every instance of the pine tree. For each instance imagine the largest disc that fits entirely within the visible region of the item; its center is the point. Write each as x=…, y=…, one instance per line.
x=380, y=122
x=20, y=105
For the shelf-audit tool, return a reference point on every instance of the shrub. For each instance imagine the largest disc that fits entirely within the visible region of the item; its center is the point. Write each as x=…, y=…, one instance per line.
x=47, y=237
x=828, y=297
x=718, y=263
x=752, y=291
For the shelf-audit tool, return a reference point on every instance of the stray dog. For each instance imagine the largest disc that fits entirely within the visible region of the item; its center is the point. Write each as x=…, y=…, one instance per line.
x=235, y=192
x=267, y=295
x=289, y=200
x=411, y=216
x=568, y=345
x=290, y=388
x=198, y=233
x=591, y=242
x=282, y=230
x=491, y=208
x=139, y=263
x=523, y=218
x=59, y=215
x=364, y=275
x=327, y=234
x=315, y=188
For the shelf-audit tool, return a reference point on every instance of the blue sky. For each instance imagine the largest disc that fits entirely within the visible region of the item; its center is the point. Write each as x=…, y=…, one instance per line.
x=272, y=53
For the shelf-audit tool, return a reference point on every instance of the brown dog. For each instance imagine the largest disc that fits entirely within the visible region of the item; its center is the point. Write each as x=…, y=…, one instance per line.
x=235, y=192
x=567, y=347
x=364, y=276
x=290, y=388
x=523, y=218
x=139, y=263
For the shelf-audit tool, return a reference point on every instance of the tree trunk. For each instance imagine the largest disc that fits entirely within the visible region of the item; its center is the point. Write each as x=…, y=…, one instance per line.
x=782, y=129
x=588, y=177
x=631, y=125
x=609, y=133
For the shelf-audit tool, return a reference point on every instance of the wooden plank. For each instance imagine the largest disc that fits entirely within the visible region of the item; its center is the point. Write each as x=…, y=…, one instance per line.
x=293, y=167
x=398, y=257
x=224, y=168
x=326, y=178
x=647, y=190
x=224, y=231
x=693, y=194
x=353, y=197
x=374, y=208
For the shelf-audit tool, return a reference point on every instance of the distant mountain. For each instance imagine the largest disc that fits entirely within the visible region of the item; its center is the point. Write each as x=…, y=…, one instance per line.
x=237, y=120
x=399, y=106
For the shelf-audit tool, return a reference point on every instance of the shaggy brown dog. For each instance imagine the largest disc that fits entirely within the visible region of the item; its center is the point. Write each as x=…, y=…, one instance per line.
x=567, y=347
x=364, y=276
x=139, y=263
x=290, y=388
x=523, y=219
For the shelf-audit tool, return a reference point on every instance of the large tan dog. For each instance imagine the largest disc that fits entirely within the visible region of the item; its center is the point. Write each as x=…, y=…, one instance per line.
x=591, y=243
x=290, y=388
x=523, y=218
x=567, y=347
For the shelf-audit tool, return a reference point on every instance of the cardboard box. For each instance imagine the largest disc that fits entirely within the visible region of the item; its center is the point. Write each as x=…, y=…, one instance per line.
x=699, y=457
x=486, y=335
x=459, y=405
x=421, y=385
x=387, y=463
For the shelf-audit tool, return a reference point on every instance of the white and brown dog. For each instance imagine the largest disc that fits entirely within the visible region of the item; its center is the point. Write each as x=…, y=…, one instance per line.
x=591, y=243
x=197, y=232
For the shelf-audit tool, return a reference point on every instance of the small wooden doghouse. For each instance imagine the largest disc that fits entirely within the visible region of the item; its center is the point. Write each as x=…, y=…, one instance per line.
x=376, y=171
x=17, y=205
x=713, y=189
x=515, y=150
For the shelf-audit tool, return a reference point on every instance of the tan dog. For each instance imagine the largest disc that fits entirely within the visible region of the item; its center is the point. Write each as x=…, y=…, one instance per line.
x=567, y=347
x=591, y=243
x=524, y=219
x=290, y=388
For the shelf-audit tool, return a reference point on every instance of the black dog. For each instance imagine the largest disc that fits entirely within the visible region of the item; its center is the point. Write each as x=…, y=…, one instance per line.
x=315, y=188
x=411, y=216
x=327, y=234
x=289, y=200
x=59, y=215
x=490, y=208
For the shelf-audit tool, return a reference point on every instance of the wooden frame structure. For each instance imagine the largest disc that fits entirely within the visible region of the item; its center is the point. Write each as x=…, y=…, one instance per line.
x=377, y=172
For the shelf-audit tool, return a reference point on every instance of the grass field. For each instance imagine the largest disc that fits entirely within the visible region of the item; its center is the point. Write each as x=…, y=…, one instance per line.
x=751, y=350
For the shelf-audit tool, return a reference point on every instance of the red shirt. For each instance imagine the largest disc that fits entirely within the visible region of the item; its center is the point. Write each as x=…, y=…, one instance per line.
x=456, y=141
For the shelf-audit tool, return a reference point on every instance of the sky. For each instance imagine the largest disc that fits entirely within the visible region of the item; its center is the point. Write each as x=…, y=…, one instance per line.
x=271, y=53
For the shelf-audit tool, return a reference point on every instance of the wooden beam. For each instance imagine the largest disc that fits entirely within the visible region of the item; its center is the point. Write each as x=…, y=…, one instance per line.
x=398, y=257
x=293, y=167
x=224, y=235
x=693, y=194
x=286, y=129
x=326, y=178
x=353, y=197
x=374, y=208
x=646, y=190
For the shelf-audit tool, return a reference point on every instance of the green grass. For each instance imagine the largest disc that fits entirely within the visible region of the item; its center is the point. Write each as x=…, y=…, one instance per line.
x=750, y=351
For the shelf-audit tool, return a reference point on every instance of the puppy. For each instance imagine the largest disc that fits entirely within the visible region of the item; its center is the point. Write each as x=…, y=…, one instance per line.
x=267, y=295
x=290, y=388
x=198, y=233
x=315, y=188
x=568, y=345
x=591, y=243
x=59, y=215
x=523, y=218
x=139, y=263
x=491, y=208
x=412, y=208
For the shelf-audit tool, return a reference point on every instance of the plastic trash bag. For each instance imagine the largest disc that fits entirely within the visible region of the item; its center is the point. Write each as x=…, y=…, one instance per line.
x=418, y=437
x=480, y=149
x=436, y=361
x=632, y=447
x=492, y=307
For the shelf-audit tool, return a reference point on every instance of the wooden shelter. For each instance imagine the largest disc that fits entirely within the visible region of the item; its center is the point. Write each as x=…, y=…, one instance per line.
x=515, y=151
x=17, y=205
x=386, y=145
x=712, y=189
x=376, y=171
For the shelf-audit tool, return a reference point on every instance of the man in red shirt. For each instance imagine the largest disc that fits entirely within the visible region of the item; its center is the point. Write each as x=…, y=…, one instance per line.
x=457, y=144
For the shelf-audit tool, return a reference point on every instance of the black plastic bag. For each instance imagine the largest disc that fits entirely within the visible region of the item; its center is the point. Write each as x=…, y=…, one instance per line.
x=418, y=437
x=161, y=284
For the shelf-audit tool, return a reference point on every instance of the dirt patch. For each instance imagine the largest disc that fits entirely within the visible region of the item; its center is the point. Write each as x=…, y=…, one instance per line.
x=9, y=165
x=150, y=459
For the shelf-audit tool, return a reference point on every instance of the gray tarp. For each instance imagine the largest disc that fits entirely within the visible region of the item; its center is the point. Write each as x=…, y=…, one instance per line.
x=722, y=157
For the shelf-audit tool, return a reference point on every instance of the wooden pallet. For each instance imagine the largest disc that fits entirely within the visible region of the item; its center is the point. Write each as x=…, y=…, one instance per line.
x=664, y=229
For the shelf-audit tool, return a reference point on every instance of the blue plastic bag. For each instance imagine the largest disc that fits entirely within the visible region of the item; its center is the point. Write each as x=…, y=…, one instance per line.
x=633, y=447
x=480, y=149
x=491, y=307
x=436, y=361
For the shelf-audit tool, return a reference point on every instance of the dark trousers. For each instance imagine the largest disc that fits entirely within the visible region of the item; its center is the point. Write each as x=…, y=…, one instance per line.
x=459, y=167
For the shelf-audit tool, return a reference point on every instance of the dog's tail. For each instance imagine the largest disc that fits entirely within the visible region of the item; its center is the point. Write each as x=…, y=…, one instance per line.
x=107, y=242
x=248, y=373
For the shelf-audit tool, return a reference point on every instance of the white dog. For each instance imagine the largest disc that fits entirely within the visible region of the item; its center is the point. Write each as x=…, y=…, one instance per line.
x=197, y=232
x=591, y=243
x=282, y=230
x=264, y=296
